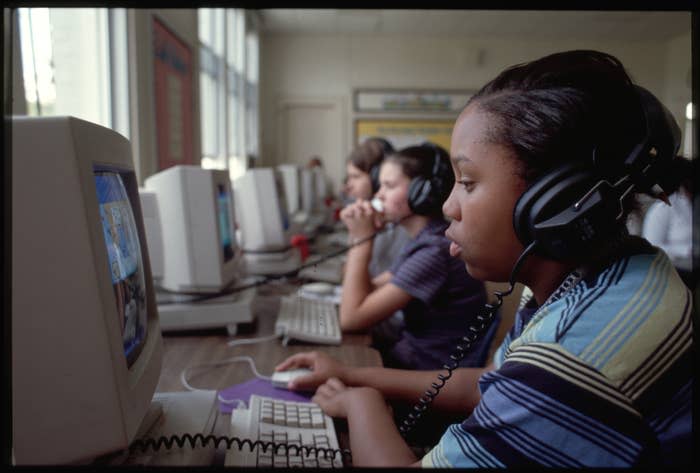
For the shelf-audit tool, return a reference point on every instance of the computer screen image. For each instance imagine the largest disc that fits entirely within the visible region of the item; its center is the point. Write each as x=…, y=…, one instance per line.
x=196, y=218
x=282, y=198
x=86, y=344
x=124, y=253
x=226, y=233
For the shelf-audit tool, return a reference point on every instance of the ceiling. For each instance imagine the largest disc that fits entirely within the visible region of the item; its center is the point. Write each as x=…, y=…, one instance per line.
x=611, y=25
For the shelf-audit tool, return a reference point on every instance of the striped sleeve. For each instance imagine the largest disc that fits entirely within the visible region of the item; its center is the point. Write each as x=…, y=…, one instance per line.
x=423, y=273
x=544, y=407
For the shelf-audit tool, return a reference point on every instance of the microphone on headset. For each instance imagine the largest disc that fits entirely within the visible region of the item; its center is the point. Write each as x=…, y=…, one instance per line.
x=377, y=205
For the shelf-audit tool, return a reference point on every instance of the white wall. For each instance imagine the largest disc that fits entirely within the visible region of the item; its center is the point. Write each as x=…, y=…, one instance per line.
x=318, y=66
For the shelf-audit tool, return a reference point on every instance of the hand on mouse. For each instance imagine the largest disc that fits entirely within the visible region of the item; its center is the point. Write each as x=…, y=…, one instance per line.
x=322, y=365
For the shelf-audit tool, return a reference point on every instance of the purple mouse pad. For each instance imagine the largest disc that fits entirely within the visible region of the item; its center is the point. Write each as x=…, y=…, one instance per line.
x=261, y=387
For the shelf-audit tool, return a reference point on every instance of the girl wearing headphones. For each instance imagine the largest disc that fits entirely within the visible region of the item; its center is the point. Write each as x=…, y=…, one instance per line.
x=597, y=369
x=362, y=182
x=432, y=289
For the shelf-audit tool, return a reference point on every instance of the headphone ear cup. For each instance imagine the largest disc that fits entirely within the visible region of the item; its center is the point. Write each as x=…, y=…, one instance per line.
x=374, y=178
x=530, y=204
x=419, y=195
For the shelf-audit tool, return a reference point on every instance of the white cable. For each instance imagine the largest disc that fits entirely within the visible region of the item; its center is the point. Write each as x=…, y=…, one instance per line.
x=248, y=341
x=240, y=403
x=215, y=364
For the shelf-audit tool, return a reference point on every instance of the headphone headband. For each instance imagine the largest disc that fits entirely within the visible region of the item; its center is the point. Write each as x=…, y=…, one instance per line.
x=571, y=208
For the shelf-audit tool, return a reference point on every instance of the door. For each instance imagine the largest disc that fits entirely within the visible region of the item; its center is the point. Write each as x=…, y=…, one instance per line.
x=313, y=127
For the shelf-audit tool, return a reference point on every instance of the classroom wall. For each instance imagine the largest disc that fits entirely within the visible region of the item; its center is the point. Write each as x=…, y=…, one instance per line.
x=319, y=66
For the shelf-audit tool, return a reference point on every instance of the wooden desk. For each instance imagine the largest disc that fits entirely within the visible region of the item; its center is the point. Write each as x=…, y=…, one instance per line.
x=183, y=350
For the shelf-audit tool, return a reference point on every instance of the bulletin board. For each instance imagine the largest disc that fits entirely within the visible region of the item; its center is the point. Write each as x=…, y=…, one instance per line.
x=405, y=132
x=173, y=90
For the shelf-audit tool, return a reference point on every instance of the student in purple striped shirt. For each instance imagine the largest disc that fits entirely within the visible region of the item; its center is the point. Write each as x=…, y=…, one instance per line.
x=597, y=370
x=432, y=289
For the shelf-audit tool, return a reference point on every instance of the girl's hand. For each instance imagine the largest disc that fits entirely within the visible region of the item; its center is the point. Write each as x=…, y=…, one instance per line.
x=360, y=218
x=337, y=400
x=323, y=366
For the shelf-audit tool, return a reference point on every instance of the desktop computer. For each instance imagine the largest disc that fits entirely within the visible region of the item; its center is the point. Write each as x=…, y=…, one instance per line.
x=263, y=224
x=305, y=208
x=312, y=204
x=199, y=248
x=298, y=206
x=86, y=344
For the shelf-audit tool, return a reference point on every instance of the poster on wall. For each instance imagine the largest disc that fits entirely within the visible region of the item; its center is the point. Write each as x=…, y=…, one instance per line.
x=405, y=132
x=377, y=100
x=173, y=90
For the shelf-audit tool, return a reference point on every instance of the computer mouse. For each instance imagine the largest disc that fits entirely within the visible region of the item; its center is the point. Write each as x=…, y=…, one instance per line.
x=319, y=288
x=281, y=378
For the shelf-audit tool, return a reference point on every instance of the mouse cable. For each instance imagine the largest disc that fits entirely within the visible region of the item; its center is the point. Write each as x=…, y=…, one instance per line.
x=185, y=373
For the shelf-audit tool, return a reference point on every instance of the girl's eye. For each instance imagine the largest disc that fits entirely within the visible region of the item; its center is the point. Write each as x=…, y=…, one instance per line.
x=468, y=185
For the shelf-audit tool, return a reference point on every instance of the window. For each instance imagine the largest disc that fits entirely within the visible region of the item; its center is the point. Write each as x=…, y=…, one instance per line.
x=211, y=48
x=227, y=111
x=74, y=62
x=251, y=105
x=687, y=150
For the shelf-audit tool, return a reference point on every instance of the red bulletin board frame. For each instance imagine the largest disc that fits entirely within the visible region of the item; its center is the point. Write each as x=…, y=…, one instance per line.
x=173, y=90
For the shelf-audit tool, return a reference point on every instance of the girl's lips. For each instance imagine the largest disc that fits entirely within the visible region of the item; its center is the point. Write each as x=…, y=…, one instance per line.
x=455, y=249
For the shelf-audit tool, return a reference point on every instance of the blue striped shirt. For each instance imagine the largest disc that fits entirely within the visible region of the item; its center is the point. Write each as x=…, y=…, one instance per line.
x=601, y=377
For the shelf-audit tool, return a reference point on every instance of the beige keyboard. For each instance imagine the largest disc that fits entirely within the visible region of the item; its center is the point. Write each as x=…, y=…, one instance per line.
x=308, y=320
x=283, y=422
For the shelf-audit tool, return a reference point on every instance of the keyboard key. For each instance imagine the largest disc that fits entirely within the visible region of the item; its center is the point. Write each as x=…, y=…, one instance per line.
x=317, y=421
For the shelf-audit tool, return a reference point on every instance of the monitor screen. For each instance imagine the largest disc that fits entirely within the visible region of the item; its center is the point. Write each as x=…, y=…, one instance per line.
x=225, y=229
x=124, y=255
x=282, y=199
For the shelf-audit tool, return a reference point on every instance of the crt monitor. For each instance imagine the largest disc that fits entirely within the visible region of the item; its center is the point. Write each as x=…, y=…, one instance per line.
x=86, y=343
x=262, y=223
x=320, y=185
x=308, y=191
x=292, y=193
x=200, y=252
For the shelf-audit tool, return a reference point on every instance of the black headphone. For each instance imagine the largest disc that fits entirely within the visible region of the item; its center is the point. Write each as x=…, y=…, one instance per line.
x=427, y=194
x=573, y=206
x=387, y=149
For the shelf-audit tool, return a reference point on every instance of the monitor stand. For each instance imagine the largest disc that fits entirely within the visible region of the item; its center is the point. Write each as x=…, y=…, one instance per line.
x=177, y=413
x=224, y=311
x=271, y=263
